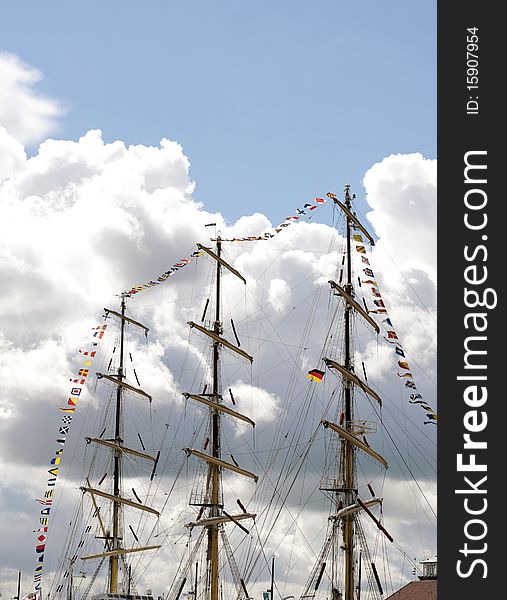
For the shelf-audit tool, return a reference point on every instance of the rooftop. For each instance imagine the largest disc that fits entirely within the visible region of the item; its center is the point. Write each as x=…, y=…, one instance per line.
x=425, y=589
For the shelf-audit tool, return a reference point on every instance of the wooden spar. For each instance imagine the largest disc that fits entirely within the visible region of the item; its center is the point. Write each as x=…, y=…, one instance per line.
x=119, y=552
x=220, y=463
x=137, y=496
x=220, y=520
x=204, y=311
x=120, y=500
x=243, y=585
x=354, y=305
x=220, y=407
x=222, y=262
x=235, y=521
x=374, y=519
x=122, y=384
x=220, y=340
x=353, y=508
x=180, y=589
x=356, y=221
x=128, y=319
x=354, y=378
x=377, y=578
x=321, y=572
x=133, y=533
x=115, y=446
x=353, y=440
x=99, y=516
x=235, y=334
x=155, y=466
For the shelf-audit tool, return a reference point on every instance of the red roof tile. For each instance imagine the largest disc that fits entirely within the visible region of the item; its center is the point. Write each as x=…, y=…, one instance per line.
x=417, y=590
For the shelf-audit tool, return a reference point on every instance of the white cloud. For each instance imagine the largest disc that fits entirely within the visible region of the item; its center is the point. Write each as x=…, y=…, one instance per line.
x=83, y=220
x=401, y=189
x=12, y=154
x=24, y=113
x=256, y=402
x=378, y=361
x=279, y=294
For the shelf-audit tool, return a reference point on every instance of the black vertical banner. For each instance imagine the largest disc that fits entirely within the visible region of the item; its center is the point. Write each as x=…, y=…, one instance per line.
x=472, y=361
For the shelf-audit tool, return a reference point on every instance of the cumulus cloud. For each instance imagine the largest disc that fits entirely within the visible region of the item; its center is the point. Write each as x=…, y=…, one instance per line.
x=83, y=220
x=278, y=295
x=402, y=191
x=12, y=154
x=24, y=113
x=86, y=219
x=256, y=402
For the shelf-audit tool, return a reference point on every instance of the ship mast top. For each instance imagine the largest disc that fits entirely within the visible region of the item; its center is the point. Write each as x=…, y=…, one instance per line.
x=348, y=476
x=346, y=535
x=215, y=517
x=113, y=536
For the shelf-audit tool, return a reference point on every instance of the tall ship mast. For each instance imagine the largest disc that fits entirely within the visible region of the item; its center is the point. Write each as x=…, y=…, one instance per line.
x=345, y=551
x=109, y=500
x=223, y=518
x=212, y=515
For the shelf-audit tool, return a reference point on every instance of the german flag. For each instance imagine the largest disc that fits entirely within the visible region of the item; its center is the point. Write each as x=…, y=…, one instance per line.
x=316, y=375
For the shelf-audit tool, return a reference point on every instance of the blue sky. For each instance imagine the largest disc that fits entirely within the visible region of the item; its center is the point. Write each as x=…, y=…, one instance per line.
x=274, y=102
